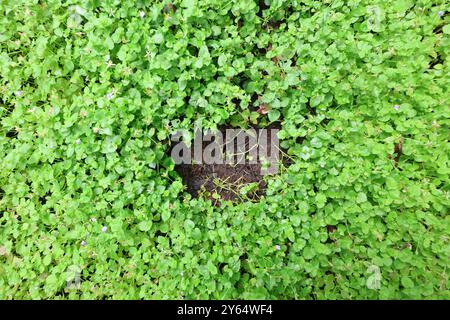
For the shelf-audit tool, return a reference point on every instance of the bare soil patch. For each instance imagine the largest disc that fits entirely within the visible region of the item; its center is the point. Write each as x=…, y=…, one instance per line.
x=235, y=182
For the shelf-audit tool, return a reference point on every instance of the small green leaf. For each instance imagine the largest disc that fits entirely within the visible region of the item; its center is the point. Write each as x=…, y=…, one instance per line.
x=212, y=268
x=158, y=38
x=407, y=282
x=321, y=199
x=274, y=115
x=189, y=225
x=145, y=225
x=446, y=29
x=361, y=197
x=165, y=215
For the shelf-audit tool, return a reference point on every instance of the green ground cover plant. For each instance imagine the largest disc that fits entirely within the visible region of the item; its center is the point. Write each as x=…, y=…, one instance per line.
x=91, y=91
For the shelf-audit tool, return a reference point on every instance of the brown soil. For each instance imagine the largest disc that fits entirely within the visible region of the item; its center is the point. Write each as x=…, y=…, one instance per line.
x=224, y=181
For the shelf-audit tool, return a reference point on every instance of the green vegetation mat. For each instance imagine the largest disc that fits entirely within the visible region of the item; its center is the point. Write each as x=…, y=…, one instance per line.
x=91, y=205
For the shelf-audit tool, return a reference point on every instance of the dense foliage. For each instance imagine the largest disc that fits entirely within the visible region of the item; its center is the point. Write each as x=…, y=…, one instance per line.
x=91, y=90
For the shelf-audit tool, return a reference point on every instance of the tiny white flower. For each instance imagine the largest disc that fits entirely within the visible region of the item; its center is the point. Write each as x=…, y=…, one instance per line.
x=277, y=247
x=440, y=13
x=104, y=229
x=93, y=219
x=19, y=93
x=83, y=243
x=397, y=107
x=142, y=14
x=109, y=96
x=78, y=141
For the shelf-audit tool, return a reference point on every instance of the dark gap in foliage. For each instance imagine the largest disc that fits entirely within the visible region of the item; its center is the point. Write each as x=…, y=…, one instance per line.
x=159, y=233
x=12, y=133
x=222, y=265
x=252, y=106
x=193, y=50
x=169, y=8
x=43, y=199
x=62, y=291
x=216, y=75
x=240, y=23
x=273, y=24
x=311, y=110
x=241, y=80
x=173, y=29
x=18, y=217
x=261, y=51
x=330, y=230
x=398, y=151
x=253, y=98
x=299, y=140
x=237, y=102
x=262, y=6
x=289, y=11
x=409, y=246
x=7, y=106
x=243, y=257
x=294, y=60
x=438, y=29
x=315, y=188
x=436, y=61
x=325, y=121
x=113, y=55
x=288, y=248
x=409, y=10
